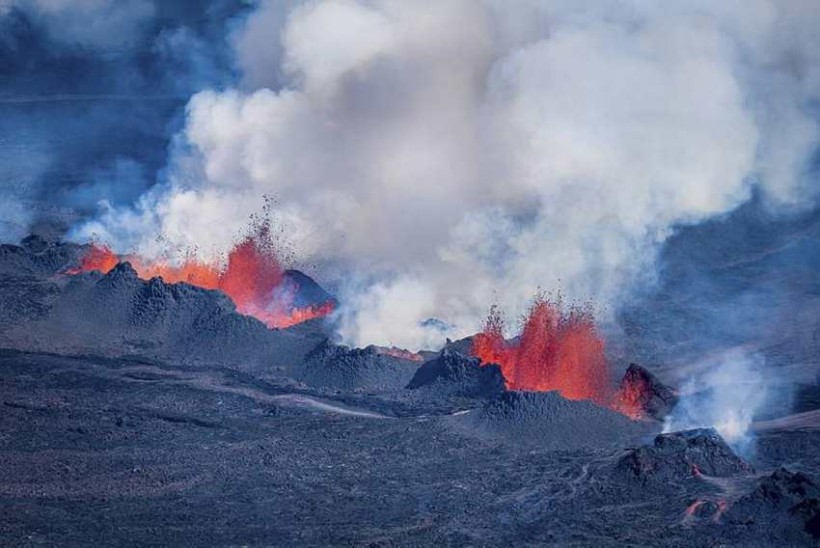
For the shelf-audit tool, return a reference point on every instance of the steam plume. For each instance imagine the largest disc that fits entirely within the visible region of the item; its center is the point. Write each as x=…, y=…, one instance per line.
x=442, y=156
x=728, y=393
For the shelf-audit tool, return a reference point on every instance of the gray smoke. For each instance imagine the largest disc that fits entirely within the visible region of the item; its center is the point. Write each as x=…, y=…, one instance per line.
x=727, y=392
x=439, y=157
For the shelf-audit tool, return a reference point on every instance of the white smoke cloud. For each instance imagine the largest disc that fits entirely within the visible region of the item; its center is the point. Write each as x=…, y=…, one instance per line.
x=727, y=393
x=447, y=155
x=258, y=46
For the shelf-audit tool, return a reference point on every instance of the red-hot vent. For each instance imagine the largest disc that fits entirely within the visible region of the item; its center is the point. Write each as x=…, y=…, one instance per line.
x=252, y=277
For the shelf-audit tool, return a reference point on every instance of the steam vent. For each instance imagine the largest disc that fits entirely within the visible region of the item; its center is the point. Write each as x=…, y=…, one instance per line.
x=409, y=273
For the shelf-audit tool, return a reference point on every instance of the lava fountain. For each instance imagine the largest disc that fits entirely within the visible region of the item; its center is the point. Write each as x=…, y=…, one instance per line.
x=554, y=351
x=562, y=351
x=252, y=277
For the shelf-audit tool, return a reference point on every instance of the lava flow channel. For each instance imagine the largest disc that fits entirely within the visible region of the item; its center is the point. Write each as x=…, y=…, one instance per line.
x=252, y=277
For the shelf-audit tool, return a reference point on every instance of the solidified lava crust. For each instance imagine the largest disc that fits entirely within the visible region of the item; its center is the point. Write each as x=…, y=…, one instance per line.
x=144, y=412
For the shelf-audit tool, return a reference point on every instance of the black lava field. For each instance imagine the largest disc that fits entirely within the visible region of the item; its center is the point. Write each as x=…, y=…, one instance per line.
x=137, y=412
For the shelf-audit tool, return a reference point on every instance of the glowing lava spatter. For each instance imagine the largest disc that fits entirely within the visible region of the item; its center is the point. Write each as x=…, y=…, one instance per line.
x=555, y=351
x=252, y=277
x=632, y=397
x=399, y=353
x=98, y=257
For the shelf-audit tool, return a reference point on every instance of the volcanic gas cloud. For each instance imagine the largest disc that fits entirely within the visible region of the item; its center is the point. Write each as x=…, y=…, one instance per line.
x=252, y=277
x=556, y=350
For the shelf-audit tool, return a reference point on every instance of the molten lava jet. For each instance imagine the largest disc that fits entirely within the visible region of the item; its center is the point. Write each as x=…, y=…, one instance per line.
x=555, y=351
x=252, y=277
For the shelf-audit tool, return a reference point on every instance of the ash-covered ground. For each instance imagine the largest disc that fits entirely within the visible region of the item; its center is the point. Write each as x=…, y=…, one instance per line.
x=136, y=412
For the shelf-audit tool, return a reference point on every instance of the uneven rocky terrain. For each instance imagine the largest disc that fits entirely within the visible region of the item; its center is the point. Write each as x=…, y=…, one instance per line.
x=136, y=412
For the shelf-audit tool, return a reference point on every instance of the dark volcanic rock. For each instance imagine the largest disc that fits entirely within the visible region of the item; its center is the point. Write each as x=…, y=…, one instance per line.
x=706, y=509
x=137, y=450
x=791, y=500
x=37, y=257
x=551, y=421
x=782, y=489
x=335, y=366
x=682, y=455
x=120, y=314
x=463, y=346
x=306, y=292
x=809, y=512
x=44, y=309
x=34, y=243
x=452, y=373
x=642, y=392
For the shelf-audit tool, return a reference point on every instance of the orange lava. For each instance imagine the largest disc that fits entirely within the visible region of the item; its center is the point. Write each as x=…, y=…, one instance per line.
x=692, y=508
x=720, y=505
x=555, y=351
x=632, y=397
x=295, y=316
x=400, y=353
x=98, y=257
x=253, y=278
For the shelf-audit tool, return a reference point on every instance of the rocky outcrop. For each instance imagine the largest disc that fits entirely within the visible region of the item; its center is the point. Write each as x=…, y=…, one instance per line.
x=550, y=421
x=453, y=374
x=791, y=500
x=682, y=455
x=336, y=366
x=642, y=395
x=38, y=257
x=120, y=314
